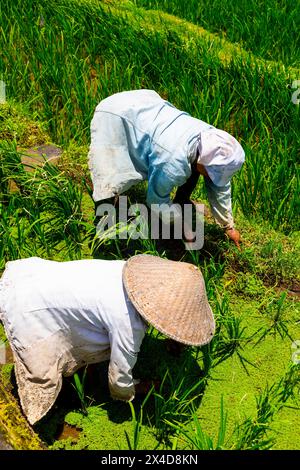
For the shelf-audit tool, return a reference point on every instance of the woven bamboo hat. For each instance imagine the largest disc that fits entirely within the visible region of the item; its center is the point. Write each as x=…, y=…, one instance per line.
x=171, y=296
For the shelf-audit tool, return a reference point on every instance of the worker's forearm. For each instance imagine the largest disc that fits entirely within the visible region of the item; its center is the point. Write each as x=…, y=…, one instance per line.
x=121, y=393
x=121, y=385
x=220, y=203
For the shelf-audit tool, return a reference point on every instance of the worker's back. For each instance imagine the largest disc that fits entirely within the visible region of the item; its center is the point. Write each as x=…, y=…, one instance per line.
x=144, y=112
x=59, y=316
x=137, y=135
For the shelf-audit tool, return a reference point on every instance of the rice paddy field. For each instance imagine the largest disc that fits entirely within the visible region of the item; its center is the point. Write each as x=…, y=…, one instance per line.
x=234, y=65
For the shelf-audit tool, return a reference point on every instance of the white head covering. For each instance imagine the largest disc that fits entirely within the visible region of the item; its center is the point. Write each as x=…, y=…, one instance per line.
x=220, y=154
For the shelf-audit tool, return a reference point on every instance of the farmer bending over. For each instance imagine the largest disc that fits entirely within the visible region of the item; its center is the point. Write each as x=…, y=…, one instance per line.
x=137, y=135
x=60, y=316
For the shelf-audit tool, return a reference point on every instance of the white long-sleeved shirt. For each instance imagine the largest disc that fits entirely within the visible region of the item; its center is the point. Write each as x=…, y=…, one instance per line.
x=59, y=316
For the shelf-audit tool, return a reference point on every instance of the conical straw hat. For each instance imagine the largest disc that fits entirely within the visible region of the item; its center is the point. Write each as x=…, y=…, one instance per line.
x=171, y=296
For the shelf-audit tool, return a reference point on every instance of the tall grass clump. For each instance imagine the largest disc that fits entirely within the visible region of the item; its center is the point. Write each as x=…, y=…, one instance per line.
x=194, y=437
x=173, y=403
x=40, y=211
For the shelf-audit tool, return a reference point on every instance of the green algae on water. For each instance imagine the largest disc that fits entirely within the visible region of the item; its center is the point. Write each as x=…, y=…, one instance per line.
x=99, y=431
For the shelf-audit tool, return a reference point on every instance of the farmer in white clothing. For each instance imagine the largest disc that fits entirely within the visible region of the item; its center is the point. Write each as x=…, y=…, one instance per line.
x=137, y=135
x=60, y=316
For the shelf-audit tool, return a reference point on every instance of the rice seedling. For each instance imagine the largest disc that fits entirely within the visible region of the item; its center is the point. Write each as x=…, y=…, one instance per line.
x=137, y=423
x=231, y=337
x=79, y=386
x=278, y=324
x=173, y=403
x=197, y=438
x=212, y=273
x=252, y=433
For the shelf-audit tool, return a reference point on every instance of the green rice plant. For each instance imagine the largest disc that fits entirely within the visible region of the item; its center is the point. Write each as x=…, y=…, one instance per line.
x=230, y=337
x=137, y=422
x=256, y=187
x=197, y=439
x=212, y=272
x=11, y=169
x=144, y=243
x=110, y=238
x=59, y=201
x=252, y=433
x=123, y=239
x=207, y=357
x=281, y=263
x=275, y=314
x=42, y=214
x=231, y=341
x=137, y=426
x=173, y=403
x=79, y=386
x=70, y=72
x=15, y=234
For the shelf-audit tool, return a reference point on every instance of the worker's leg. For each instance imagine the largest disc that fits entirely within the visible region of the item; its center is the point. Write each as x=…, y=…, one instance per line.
x=184, y=192
x=183, y=195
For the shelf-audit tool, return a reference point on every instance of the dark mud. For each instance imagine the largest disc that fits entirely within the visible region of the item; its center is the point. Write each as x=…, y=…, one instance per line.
x=69, y=432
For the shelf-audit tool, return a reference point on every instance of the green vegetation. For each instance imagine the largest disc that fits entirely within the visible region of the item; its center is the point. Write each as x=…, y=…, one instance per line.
x=59, y=59
x=78, y=53
x=18, y=125
x=79, y=386
x=15, y=433
x=251, y=23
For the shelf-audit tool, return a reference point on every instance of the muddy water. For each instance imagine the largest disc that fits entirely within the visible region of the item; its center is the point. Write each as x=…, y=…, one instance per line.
x=69, y=431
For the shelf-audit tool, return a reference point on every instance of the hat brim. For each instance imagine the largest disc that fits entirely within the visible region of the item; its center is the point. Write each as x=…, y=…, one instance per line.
x=171, y=296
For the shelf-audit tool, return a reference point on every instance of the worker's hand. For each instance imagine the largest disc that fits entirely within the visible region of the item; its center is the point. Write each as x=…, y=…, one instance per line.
x=144, y=386
x=234, y=235
x=188, y=234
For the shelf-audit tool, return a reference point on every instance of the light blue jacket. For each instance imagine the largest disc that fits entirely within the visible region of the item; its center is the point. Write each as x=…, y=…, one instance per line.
x=136, y=135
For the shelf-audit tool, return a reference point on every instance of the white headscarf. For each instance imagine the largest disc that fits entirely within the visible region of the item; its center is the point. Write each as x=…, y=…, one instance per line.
x=220, y=154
